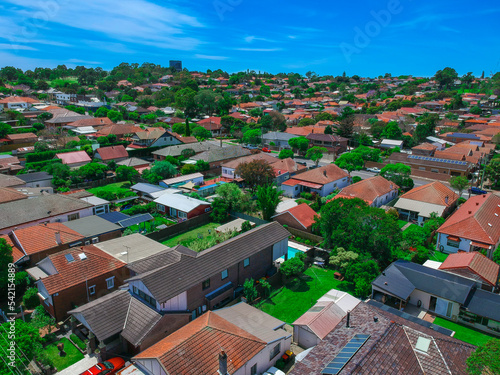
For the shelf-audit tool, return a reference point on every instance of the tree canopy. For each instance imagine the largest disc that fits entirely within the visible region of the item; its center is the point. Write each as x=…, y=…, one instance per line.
x=255, y=173
x=398, y=173
x=351, y=161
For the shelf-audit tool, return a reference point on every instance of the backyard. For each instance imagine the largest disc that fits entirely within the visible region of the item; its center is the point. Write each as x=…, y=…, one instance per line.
x=464, y=333
x=438, y=256
x=203, y=232
x=150, y=226
x=117, y=189
x=300, y=294
x=72, y=356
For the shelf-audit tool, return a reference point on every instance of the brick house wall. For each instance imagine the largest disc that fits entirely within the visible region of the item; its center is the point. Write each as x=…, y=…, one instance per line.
x=67, y=299
x=288, y=219
x=237, y=274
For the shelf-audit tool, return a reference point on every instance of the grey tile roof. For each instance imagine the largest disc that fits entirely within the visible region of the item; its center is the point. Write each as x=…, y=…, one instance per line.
x=105, y=316
x=132, y=162
x=92, y=226
x=169, y=281
x=44, y=206
x=485, y=304
x=140, y=320
x=176, y=150
x=146, y=188
x=224, y=153
x=36, y=176
x=279, y=136
x=8, y=181
x=155, y=261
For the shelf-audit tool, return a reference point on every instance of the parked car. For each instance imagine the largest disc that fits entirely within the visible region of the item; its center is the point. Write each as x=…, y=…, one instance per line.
x=252, y=147
x=476, y=190
x=265, y=149
x=374, y=169
x=109, y=367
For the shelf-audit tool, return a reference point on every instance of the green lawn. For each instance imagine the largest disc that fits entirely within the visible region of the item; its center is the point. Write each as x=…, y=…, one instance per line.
x=299, y=295
x=438, y=256
x=72, y=356
x=60, y=82
x=151, y=226
x=464, y=333
x=6, y=153
x=188, y=237
x=112, y=188
x=402, y=223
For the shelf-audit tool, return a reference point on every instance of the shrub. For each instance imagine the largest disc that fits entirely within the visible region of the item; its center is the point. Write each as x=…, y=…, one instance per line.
x=78, y=341
x=249, y=290
x=356, y=179
x=292, y=267
x=21, y=281
x=245, y=226
x=30, y=298
x=307, y=196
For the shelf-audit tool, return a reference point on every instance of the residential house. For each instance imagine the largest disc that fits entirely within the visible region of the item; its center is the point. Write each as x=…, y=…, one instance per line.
x=474, y=266
x=323, y=181
x=36, y=179
x=229, y=167
x=432, y=164
x=42, y=209
x=286, y=168
x=442, y=293
x=10, y=164
x=212, y=124
x=424, y=149
x=111, y=153
x=95, y=229
x=138, y=164
x=375, y=340
x=475, y=226
x=176, y=150
x=279, y=139
x=76, y=276
x=149, y=192
x=317, y=322
x=154, y=137
x=220, y=155
x=240, y=340
x=22, y=139
x=301, y=217
x=74, y=159
x=33, y=244
x=10, y=181
x=333, y=143
x=174, y=182
x=419, y=203
x=375, y=191
x=391, y=143
x=16, y=102
x=180, y=206
x=11, y=195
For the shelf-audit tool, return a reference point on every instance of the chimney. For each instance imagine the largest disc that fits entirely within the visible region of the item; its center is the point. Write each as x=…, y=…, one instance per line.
x=348, y=325
x=375, y=319
x=222, y=363
x=58, y=238
x=446, y=199
x=324, y=172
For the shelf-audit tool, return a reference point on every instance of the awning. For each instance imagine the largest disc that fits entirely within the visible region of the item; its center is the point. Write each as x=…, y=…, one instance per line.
x=479, y=244
x=454, y=238
x=291, y=182
x=217, y=292
x=310, y=185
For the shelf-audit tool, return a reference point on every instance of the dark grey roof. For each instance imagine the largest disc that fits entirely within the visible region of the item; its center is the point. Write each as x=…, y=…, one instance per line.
x=140, y=320
x=146, y=188
x=105, y=316
x=44, y=206
x=92, y=226
x=132, y=162
x=439, y=283
x=221, y=153
x=169, y=281
x=279, y=136
x=114, y=216
x=136, y=219
x=155, y=261
x=485, y=304
x=36, y=176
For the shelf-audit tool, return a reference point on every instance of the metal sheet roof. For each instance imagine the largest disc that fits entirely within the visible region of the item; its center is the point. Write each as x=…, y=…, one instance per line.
x=423, y=209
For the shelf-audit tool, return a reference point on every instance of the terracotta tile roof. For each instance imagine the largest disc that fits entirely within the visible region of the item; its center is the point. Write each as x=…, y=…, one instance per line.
x=322, y=175
x=473, y=262
x=194, y=348
x=288, y=165
x=98, y=263
x=368, y=190
x=9, y=195
x=304, y=214
x=450, y=155
x=425, y=146
x=119, y=129
x=74, y=157
x=246, y=159
x=24, y=136
x=435, y=193
x=112, y=152
x=17, y=253
x=95, y=121
x=186, y=140
x=477, y=219
x=18, y=99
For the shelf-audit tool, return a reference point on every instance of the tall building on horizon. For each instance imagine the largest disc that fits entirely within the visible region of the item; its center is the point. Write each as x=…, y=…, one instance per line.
x=176, y=64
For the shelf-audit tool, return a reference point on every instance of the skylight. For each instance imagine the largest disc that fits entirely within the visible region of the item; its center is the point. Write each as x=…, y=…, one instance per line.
x=69, y=258
x=423, y=344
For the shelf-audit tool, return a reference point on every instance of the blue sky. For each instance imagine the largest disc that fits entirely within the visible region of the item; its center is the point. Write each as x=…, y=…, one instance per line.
x=367, y=38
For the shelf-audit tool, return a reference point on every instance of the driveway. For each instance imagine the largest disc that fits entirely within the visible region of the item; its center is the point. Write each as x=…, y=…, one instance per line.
x=80, y=366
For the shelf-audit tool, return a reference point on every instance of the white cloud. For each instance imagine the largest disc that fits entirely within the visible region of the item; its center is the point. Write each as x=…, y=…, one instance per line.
x=5, y=46
x=259, y=49
x=78, y=61
x=209, y=57
x=251, y=38
x=292, y=37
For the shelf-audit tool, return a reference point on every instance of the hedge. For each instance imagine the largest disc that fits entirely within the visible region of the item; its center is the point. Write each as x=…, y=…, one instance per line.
x=38, y=165
x=45, y=155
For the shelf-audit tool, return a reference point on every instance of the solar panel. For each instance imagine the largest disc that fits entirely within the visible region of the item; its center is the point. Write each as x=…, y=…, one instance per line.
x=345, y=355
x=137, y=219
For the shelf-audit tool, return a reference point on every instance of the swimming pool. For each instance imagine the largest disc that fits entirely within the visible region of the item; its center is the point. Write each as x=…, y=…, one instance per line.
x=294, y=249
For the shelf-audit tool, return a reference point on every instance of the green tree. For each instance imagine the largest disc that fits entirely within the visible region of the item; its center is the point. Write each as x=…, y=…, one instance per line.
x=40, y=319
x=5, y=129
x=5, y=260
x=245, y=226
x=285, y=154
x=114, y=116
x=446, y=77
x=41, y=146
x=188, y=169
x=367, y=153
x=306, y=121
x=459, y=183
x=399, y=174
x=299, y=143
x=164, y=169
x=492, y=171
x=328, y=130
x=292, y=267
x=255, y=173
x=324, y=116
x=30, y=298
x=201, y=133
x=187, y=153
x=185, y=100
x=476, y=110
x=342, y=258
x=125, y=173
x=90, y=171
x=392, y=131
x=206, y=100
x=252, y=136
x=351, y=161
x=202, y=165
x=315, y=154
x=101, y=112
x=361, y=274
x=249, y=290
x=233, y=196
x=486, y=359
x=219, y=211
x=268, y=198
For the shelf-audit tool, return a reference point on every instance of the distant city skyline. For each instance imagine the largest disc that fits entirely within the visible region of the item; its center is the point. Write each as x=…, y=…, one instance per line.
x=363, y=37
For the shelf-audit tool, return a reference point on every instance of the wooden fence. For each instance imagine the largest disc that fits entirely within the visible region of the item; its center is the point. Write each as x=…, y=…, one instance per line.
x=179, y=228
x=305, y=235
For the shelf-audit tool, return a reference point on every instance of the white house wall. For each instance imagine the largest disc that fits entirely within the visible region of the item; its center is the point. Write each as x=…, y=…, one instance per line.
x=443, y=244
x=151, y=365
x=178, y=303
x=280, y=249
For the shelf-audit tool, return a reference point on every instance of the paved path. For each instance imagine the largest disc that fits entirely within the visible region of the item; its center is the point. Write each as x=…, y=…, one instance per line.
x=80, y=366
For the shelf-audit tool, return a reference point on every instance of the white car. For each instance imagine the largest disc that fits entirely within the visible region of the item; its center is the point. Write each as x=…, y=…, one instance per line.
x=273, y=371
x=374, y=169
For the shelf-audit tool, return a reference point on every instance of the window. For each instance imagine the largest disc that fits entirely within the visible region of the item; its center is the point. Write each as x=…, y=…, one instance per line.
x=434, y=170
x=452, y=243
x=95, y=240
x=207, y=209
x=205, y=284
x=110, y=282
x=160, y=207
x=275, y=351
x=253, y=370
x=87, y=242
x=92, y=290
x=224, y=274
x=182, y=215
x=74, y=216
x=246, y=262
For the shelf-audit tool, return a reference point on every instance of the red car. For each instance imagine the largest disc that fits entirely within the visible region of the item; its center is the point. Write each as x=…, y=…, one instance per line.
x=108, y=367
x=265, y=149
